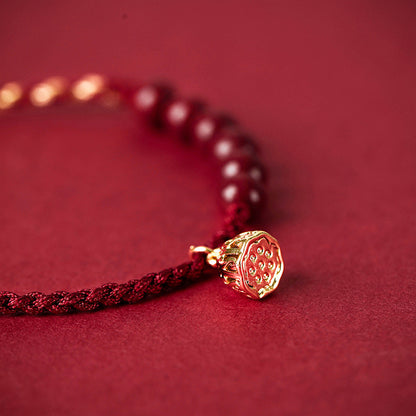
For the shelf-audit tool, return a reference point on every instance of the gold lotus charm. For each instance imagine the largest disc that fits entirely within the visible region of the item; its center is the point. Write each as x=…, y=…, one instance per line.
x=251, y=263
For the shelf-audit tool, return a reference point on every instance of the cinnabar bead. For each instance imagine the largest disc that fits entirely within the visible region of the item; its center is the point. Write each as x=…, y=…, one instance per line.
x=229, y=142
x=177, y=114
x=204, y=127
x=243, y=163
x=242, y=189
x=148, y=100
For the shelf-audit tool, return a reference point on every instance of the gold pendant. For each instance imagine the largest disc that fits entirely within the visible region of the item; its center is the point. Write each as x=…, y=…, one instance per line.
x=251, y=263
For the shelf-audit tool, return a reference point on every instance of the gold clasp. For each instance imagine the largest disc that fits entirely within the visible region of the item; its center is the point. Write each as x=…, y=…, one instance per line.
x=251, y=263
x=212, y=254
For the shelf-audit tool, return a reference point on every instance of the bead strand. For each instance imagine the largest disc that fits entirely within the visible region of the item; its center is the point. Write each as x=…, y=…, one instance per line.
x=241, y=175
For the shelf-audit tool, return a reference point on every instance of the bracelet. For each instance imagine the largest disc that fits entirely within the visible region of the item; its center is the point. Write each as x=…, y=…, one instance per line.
x=250, y=262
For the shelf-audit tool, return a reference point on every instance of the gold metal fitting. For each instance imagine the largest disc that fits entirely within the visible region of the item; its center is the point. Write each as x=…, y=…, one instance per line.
x=46, y=92
x=212, y=254
x=88, y=87
x=251, y=263
x=10, y=94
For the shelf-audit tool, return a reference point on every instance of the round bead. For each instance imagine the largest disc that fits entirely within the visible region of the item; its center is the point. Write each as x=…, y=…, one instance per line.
x=229, y=142
x=177, y=114
x=89, y=87
x=243, y=163
x=148, y=99
x=204, y=126
x=10, y=94
x=48, y=91
x=242, y=189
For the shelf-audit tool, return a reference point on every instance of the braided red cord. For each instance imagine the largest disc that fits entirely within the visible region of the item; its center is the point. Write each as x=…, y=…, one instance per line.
x=112, y=294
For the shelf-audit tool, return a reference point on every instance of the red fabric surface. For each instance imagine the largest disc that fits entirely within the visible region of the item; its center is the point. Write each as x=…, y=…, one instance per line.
x=88, y=197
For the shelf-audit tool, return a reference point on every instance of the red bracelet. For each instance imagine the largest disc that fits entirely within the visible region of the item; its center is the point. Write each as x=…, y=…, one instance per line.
x=250, y=262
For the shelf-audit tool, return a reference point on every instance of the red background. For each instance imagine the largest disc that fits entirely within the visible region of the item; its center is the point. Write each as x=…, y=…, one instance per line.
x=329, y=90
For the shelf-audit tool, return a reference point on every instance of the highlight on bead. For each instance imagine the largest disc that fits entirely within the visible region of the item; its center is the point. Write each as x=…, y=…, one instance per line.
x=145, y=97
x=88, y=87
x=46, y=92
x=205, y=128
x=10, y=94
x=177, y=112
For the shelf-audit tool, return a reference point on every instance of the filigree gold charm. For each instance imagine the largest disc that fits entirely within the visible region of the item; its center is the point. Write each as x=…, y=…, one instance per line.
x=251, y=263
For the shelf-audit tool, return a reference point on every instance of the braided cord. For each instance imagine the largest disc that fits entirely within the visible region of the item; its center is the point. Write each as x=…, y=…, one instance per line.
x=113, y=294
x=110, y=294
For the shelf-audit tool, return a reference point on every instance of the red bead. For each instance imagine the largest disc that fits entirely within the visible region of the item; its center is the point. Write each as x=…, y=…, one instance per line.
x=243, y=190
x=177, y=114
x=148, y=100
x=243, y=163
x=229, y=142
x=204, y=127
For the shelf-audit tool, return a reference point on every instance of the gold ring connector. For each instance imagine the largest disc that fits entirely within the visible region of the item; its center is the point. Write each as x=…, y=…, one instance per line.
x=212, y=254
